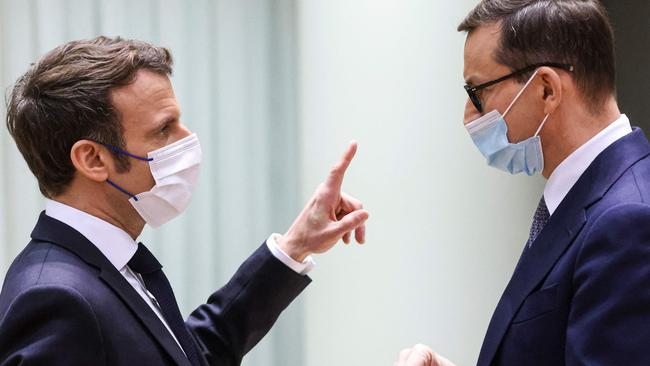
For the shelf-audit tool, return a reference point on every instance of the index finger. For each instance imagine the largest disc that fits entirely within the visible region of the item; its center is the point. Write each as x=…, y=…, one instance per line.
x=335, y=178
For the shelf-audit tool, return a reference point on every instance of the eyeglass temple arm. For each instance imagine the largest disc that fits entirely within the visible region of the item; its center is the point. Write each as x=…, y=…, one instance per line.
x=566, y=67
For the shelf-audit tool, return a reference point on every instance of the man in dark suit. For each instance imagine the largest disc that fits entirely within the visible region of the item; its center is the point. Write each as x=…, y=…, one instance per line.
x=540, y=77
x=99, y=126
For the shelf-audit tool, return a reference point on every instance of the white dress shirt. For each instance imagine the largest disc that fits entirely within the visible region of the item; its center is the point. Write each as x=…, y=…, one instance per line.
x=569, y=171
x=118, y=247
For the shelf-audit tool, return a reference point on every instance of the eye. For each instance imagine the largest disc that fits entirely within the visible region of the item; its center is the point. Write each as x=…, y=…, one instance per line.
x=165, y=129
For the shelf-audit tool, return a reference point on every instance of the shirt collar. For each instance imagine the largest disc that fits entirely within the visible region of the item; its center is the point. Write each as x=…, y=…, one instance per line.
x=114, y=243
x=569, y=171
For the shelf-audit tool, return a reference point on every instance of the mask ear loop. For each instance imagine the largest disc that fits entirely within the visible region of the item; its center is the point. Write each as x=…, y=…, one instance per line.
x=120, y=151
x=131, y=195
x=520, y=93
x=542, y=125
x=124, y=152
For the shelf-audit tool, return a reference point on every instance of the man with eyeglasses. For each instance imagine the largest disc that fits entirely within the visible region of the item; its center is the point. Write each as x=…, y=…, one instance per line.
x=541, y=83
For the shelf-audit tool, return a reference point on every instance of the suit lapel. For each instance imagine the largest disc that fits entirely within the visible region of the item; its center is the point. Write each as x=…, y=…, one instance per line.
x=150, y=320
x=559, y=233
x=549, y=246
x=58, y=233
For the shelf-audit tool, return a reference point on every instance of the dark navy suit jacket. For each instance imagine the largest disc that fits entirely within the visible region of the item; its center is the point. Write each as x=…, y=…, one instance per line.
x=63, y=303
x=581, y=294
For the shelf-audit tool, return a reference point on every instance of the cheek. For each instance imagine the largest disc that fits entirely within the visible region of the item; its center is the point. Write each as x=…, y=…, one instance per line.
x=520, y=125
x=471, y=113
x=524, y=118
x=141, y=176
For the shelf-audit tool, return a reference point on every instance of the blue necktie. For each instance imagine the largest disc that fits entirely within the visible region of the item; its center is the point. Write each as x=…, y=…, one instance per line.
x=539, y=220
x=156, y=282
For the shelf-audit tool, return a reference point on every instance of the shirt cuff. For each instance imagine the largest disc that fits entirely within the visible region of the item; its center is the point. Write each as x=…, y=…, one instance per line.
x=301, y=268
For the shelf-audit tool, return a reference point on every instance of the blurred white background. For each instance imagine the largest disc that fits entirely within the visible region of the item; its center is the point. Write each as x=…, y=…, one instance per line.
x=445, y=230
x=276, y=89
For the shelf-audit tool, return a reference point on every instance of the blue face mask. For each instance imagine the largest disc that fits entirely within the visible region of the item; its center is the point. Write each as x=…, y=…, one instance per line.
x=490, y=135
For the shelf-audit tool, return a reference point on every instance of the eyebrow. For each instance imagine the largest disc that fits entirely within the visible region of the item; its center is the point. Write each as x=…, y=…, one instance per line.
x=470, y=80
x=168, y=120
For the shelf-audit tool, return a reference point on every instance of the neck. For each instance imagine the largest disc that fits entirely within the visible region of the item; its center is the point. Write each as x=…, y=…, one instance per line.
x=103, y=212
x=564, y=134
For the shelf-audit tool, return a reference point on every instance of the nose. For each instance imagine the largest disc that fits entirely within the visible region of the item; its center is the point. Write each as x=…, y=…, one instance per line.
x=183, y=131
x=471, y=113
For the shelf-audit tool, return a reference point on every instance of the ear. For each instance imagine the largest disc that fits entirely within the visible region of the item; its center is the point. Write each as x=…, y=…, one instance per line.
x=91, y=160
x=552, y=83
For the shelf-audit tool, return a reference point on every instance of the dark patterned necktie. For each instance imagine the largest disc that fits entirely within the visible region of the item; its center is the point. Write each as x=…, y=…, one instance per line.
x=156, y=282
x=539, y=220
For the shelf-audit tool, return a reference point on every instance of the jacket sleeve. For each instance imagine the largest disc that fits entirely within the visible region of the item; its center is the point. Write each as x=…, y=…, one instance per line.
x=237, y=316
x=50, y=325
x=609, y=321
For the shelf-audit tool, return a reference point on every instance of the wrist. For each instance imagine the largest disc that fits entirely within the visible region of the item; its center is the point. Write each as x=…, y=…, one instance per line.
x=291, y=248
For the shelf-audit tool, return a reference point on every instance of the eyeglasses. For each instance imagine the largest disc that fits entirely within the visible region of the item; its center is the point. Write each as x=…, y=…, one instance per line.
x=473, y=90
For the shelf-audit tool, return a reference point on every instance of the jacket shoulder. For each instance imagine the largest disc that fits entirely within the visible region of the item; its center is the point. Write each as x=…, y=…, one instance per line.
x=42, y=263
x=42, y=320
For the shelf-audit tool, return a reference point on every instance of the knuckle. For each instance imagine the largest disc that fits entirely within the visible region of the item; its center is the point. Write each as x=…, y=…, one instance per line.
x=423, y=348
x=355, y=220
x=356, y=203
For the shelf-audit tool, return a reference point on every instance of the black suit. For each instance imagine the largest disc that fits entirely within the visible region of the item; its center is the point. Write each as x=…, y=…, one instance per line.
x=64, y=303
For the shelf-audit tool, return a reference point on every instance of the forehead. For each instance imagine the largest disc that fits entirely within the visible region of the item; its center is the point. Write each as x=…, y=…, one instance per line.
x=480, y=47
x=147, y=87
x=146, y=100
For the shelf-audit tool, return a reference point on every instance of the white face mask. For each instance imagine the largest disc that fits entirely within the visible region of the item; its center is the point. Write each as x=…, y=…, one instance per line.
x=175, y=169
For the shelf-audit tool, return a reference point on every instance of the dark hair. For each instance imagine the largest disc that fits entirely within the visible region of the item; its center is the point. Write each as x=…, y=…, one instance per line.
x=574, y=32
x=66, y=97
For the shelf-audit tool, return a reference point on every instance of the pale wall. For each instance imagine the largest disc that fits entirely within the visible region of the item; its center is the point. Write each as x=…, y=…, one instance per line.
x=445, y=230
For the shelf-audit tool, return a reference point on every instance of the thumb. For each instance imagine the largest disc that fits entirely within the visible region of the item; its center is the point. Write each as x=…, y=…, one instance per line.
x=349, y=222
